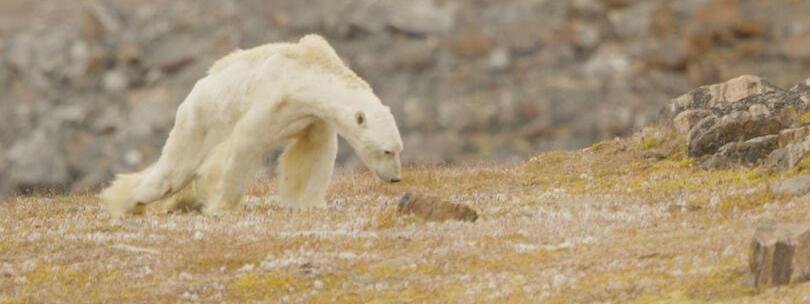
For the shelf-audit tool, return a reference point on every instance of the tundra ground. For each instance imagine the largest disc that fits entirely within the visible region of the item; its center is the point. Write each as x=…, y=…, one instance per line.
x=629, y=220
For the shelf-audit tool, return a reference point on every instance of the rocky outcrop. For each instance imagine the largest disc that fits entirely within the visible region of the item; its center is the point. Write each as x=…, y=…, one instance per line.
x=745, y=121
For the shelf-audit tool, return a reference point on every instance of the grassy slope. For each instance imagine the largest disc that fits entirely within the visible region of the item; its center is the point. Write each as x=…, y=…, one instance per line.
x=627, y=220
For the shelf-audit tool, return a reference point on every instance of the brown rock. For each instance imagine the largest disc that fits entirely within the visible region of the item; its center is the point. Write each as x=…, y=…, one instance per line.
x=669, y=54
x=617, y=3
x=129, y=52
x=788, y=136
x=721, y=14
x=797, y=47
x=435, y=210
x=780, y=254
x=472, y=46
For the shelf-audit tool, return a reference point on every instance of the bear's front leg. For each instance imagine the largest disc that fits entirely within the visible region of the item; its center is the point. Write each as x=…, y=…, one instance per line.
x=305, y=167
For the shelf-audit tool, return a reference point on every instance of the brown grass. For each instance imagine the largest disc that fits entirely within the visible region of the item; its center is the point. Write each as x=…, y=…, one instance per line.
x=623, y=221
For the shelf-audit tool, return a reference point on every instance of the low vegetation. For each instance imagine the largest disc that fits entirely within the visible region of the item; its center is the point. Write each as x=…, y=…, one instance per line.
x=627, y=220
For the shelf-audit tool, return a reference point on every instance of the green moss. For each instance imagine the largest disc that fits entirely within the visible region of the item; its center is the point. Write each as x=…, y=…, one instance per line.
x=805, y=117
x=66, y=283
x=747, y=201
x=649, y=143
x=254, y=287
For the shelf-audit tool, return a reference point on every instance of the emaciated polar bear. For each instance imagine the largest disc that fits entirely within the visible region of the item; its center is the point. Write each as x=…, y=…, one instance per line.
x=251, y=101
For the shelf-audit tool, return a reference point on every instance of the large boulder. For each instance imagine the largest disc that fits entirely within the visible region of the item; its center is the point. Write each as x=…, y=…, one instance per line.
x=745, y=121
x=717, y=96
x=747, y=153
x=780, y=254
x=753, y=116
x=37, y=163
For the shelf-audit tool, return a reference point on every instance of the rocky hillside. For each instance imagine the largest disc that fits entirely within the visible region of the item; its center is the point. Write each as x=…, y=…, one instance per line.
x=89, y=88
x=662, y=216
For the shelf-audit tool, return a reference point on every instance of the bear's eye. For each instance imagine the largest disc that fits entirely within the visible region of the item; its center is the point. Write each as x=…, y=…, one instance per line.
x=388, y=152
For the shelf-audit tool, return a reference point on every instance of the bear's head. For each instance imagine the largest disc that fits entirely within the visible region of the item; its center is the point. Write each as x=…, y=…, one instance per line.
x=375, y=138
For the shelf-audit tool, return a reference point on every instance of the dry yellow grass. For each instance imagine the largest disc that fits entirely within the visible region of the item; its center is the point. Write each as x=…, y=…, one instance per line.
x=623, y=221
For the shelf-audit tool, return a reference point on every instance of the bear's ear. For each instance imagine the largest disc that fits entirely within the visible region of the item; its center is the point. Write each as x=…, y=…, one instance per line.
x=360, y=118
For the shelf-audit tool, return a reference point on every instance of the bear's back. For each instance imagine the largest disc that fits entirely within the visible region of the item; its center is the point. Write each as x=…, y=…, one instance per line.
x=311, y=50
x=252, y=55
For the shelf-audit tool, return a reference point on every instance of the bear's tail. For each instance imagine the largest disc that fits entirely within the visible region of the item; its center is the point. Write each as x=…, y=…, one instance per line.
x=115, y=196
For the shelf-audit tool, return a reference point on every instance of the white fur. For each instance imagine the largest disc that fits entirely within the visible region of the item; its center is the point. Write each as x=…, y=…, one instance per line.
x=251, y=101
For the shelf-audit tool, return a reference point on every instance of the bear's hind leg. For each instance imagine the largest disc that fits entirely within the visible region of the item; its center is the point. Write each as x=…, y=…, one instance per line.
x=184, y=150
x=231, y=165
x=305, y=167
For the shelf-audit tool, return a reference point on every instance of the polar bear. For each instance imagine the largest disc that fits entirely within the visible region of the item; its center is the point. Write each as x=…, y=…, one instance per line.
x=299, y=94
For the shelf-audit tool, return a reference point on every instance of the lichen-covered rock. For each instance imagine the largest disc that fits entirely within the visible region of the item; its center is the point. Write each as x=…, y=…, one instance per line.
x=747, y=153
x=788, y=156
x=788, y=136
x=802, y=90
x=717, y=96
x=685, y=120
x=751, y=117
x=435, y=210
x=742, y=122
x=731, y=122
x=780, y=254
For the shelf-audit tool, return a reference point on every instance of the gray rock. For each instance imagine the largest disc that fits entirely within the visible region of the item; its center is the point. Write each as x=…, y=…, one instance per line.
x=685, y=120
x=803, y=91
x=787, y=157
x=632, y=21
x=753, y=116
x=110, y=119
x=747, y=153
x=413, y=54
x=101, y=19
x=780, y=254
x=169, y=56
x=4, y=76
x=717, y=95
x=115, y=81
x=423, y=17
x=499, y=58
x=799, y=185
x=791, y=135
x=607, y=62
x=37, y=162
x=152, y=112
